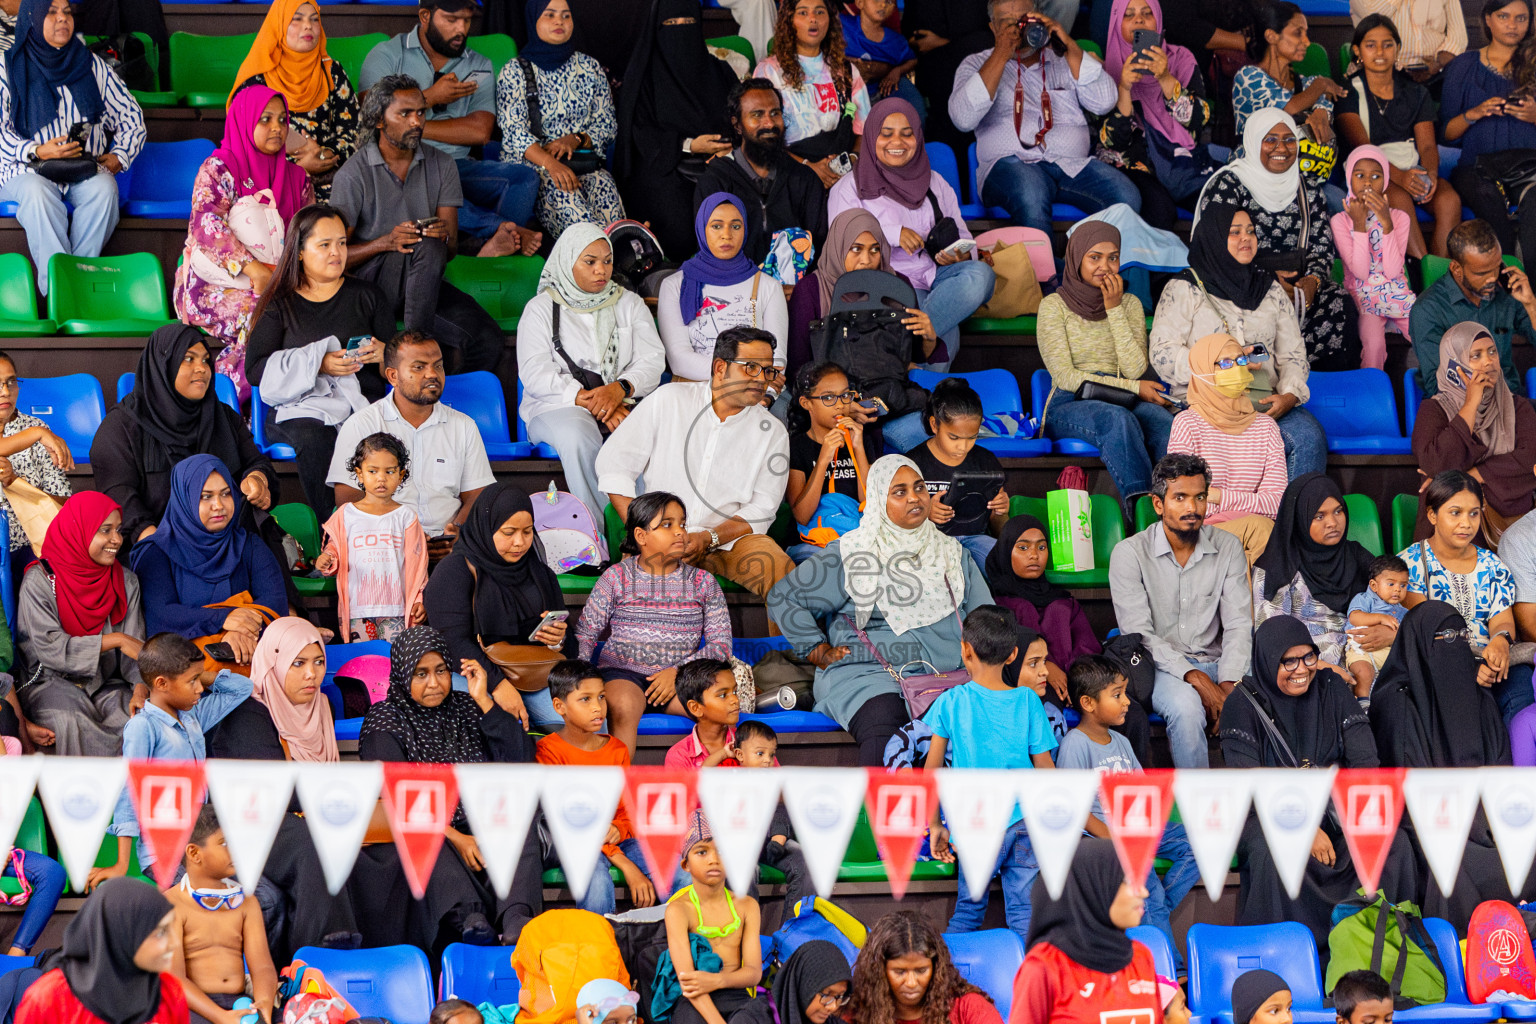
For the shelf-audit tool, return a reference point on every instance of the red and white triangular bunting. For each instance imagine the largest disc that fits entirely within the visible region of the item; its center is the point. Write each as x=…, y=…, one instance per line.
x=166, y=797
x=338, y=800
x=1370, y=804
x=978, y=808
x=1056, y=805
x=1136, y=809
x=739, y=806
x=499, y=800
x=17, y=781
x=900, y=804
x=79, y=795
x=251, y=798
x=579, y=802
x=1510, y=802
x=1213, y=805
x=1290, y=806
x=823, y=805
x=660, y=802
x=419, y=800
x=1442, y=803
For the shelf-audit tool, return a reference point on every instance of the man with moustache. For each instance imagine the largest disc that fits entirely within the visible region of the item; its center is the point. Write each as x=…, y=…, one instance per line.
x=401, y=200
x=777, y=190
x=1184, y=587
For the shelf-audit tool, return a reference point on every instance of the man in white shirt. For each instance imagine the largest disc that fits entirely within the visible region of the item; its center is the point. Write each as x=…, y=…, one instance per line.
x=1025, y=104
x=448, y=467
x=716, y=447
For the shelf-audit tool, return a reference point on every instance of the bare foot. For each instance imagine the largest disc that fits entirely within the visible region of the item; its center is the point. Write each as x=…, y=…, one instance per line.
x=510, y=240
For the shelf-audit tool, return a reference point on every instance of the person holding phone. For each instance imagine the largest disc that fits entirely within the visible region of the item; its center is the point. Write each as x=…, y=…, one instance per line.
x=965, y=482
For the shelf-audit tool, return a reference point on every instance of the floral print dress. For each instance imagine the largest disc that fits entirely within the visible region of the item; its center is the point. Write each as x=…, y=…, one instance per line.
x=35, y=466
x=224, y=313
x=1478, y=595
x=1254, y=89
x=333, y=124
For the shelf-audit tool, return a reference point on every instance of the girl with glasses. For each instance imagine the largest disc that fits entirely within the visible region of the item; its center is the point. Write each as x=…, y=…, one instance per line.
x=828, y=450
x=813, y=985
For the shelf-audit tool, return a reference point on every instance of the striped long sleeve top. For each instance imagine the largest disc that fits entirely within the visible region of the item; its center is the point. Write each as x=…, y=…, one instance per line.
x=648, y=623
x=120, y=130
x=1249, y=468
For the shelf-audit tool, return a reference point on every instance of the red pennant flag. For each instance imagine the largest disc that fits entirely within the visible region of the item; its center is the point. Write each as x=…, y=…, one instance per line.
x=1136, y=807
x=900, y=805
x=419, y=800
x=1370, y=804
x=660, y=802
x=166, y=797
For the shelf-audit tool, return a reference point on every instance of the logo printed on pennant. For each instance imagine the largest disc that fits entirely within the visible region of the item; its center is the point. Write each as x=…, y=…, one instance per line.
x=900, y=805
x=423, y=802
x=660, y=801
x=1368, y=810
x=664, y=807
x=166, y=797
x=419, y=800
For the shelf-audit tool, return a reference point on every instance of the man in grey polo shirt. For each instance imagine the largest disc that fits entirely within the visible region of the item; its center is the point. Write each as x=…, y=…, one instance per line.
x=460, y=87
x=402, y=202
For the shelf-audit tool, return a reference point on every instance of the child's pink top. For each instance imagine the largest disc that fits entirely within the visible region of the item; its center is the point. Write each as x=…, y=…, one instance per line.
x=1373, y=263
x=12, y=745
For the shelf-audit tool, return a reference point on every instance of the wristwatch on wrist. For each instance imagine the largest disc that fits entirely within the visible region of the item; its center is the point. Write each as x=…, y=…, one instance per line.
x=629, y=389
x=1508, y=637
x=714, y=539
x=688, y=145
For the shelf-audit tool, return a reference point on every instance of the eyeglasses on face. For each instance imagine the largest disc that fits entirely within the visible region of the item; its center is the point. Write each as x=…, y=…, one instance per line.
x=1227, y=364
x=756, y=370
x=834, y=1000
x=1286, y=141
x=1451, y=636
x=1291, y=664
x=841, y=398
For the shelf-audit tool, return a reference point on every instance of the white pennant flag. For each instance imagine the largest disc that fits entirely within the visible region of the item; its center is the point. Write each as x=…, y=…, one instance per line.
x=1213, y=805
x=1290, y=805
x=579, y=803
x=1511, y=807
x=16, y=784
x=79, y=794
x=339, y=799
x=739, y=806
x=823, y=805
x=499, y=800
x=250, y=798
x=978, y=808
x=1441, y=802
x=1056, y=805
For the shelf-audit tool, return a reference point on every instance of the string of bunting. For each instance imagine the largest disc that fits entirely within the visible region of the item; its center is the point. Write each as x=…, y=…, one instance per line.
x=500, y=800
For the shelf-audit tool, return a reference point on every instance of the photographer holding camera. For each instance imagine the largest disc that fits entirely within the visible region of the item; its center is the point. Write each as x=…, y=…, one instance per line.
x=1027, y=108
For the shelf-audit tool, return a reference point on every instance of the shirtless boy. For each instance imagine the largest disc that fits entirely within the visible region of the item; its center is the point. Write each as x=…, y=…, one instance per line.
x=730, y=923
x=215, y=927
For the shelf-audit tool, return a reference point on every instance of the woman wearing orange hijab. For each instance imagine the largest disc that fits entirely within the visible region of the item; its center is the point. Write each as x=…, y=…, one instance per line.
x=289, y=57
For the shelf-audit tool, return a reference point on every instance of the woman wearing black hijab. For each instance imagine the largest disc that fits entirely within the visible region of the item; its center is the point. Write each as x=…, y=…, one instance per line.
x=812, y=986
x=423, y=720
x=1223, y=292
x=1079, y=940
x=115, y=963
x=170, y=414
x=1295, y=712
x=674, y=95
x=495, y=588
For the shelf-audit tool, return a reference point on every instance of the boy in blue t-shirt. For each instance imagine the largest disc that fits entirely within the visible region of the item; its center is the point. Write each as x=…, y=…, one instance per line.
x=986, y=723
x=1097, y=688
x=883, y=57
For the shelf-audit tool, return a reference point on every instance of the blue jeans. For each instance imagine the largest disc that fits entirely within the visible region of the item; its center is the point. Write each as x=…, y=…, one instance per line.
x=50, y=226
x=1129, y=440
x=959, y=289
x=600, y=897
x=1184, y=716
x=1306, y=446
x=905, y=432
x=47, y=878
x=1017, y=866
x=1515, y=693
x=495, y=192
x=1027, y=190
x=979, y=545
x=1165, y=894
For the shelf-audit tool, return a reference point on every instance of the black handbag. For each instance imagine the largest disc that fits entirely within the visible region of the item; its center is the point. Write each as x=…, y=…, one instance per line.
x=70, y=170
x=1512, y=170
x=583, y=161
x=867, y=334
x=945, y=231
x=1093, y=391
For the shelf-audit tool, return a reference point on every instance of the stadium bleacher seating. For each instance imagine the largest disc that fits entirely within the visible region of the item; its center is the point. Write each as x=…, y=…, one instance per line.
x=107, y=296
x=72, y=406
x=277, y=451
x=394, y=982
x=501, y=284
x=999, y=392
x=478, y=395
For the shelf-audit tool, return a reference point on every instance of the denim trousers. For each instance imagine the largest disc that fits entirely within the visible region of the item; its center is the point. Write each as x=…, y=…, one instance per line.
x=1306, y=446
x=1017, y=867
x=1184, y=716
x=46, y=877
x=1165, y=894
x=601, y=899
x=1515, y=693
x=494, y=193
x=1129, y=440
x=958, y=290
x=1027, y=190
x=51, y=227
x=903, y=433
x=979, y=545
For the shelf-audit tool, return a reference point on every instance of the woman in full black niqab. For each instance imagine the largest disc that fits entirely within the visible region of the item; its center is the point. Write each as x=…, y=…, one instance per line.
x=1301, y=716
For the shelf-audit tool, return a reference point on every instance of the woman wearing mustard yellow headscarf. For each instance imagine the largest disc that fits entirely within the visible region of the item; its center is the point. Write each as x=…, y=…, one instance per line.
x=289, y=57
x=1244, y=450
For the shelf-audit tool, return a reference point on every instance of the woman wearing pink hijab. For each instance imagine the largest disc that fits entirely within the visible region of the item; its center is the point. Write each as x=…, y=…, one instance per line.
x=244, y=195
x=1153, y=132
x=287, y=717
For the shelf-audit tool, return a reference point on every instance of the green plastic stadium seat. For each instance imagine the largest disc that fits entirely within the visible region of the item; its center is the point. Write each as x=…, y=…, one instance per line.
x=1007, y=325
x=1405, y=515
x=203, y=68
x=1108, y=530
x=1364, y=522
x=18, y=300
x=1146, y=515
x=862, y=862
x=1092, y=47
x=502, y=285
x=1315, y=62
x=351, y=51
x=298, y=521
x=1434, y=267
x=108, y=296
x=497, y=48
x=737, y=43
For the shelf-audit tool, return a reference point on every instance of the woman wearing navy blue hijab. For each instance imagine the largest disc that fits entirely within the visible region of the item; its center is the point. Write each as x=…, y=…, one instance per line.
x=200, y=557
x=52, y=84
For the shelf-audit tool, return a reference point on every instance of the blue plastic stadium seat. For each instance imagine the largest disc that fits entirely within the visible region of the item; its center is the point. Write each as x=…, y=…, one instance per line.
x=1039, y=391
x=1324, y=8
x=665, y=725
x=1218, y=954
x=751, y=649
x=223, y=389
x=1530, y=382
x=388, y=981
x=1157, y=943
x=1457, y=1008
x=1358, y=412
x=1413, y=397
x=478, y=395
x=15, y=963
x=977, y=209
x=999, y=391
x=71, y=405
x=796, y=720
x=479, y=974
x=7, y=596
x=160, y=185
x=277, y=450
x=535, y=451
x=941, y=160
x=988, y=959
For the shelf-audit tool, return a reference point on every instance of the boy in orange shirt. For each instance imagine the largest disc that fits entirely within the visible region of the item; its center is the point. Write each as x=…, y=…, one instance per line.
x=576, y=688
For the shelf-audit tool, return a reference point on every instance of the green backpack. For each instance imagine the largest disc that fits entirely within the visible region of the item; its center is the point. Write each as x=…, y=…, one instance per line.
x=1374, y=934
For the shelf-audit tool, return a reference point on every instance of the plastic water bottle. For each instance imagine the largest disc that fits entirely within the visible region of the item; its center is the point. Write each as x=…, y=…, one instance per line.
x=244, y=1002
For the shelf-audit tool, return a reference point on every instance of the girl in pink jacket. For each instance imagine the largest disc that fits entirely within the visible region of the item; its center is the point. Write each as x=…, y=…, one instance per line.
x=1372, y=240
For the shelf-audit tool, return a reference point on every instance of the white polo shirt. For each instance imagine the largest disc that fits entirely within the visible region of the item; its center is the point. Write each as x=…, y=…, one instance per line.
x=447, y=458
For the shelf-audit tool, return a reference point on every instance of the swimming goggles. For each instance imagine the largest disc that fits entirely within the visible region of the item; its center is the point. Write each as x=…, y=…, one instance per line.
x=214, y=899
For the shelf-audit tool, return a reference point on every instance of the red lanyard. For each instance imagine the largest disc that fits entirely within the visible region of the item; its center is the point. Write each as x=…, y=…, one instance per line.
x=1018, y=105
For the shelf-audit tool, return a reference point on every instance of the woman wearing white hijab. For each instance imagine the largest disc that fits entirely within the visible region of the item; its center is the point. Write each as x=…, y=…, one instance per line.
x=897, y=580
x=1290, y=214
x=578, y=386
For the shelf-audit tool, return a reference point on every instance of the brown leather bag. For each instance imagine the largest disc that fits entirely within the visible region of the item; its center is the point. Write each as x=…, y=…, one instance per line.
x=525, y=666
x=240, y=600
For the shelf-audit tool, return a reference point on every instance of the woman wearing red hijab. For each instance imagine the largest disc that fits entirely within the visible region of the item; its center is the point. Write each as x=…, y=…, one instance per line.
x=79, y=627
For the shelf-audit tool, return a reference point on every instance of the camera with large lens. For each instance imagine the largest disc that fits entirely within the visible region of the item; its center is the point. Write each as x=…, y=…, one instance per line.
x=1035, y=33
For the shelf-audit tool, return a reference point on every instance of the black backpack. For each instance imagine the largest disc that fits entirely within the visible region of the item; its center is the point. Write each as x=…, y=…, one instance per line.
x=639, y=264
x=126, y=54
x=866, y=335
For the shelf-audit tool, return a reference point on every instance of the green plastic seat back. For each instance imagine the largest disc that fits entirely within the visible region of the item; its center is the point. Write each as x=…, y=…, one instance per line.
x=1146, y=515
x=1108, y=523
x=351, y=51
x=1314, y=63
x=737, y=43
x=106, y=288
x=1405, y=514
x=1364, y=522
x=1092, y=47
x=502, y=285
x=1434, y=267
x=497, y=48
x=298, y=521
x=207, y=64
x=18, y=299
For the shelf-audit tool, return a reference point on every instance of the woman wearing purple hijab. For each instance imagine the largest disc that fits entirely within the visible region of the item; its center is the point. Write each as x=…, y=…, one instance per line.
x=221, y=277
x=894, y=182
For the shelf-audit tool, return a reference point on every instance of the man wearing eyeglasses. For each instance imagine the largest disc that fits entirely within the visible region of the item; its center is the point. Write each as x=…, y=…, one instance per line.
x=715, y=446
